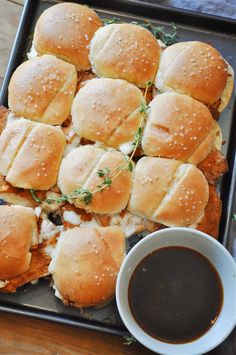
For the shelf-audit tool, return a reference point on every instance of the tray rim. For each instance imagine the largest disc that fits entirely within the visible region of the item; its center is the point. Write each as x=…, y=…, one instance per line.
x=231, y=175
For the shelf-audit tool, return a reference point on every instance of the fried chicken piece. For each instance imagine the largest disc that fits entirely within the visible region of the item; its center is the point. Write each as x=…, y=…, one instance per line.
x=38, y=268
x=211, y=220
x=214, y=166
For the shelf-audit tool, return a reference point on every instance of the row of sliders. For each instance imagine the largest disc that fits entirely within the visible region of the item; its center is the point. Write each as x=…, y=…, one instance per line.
x=84, y=264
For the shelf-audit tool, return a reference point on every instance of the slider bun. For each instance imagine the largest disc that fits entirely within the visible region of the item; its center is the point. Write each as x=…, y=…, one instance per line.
x=179, y=127
x=79, y=169
x=125, y=51
x=195, y=69
x=65, y=30
x=43, y=89
x=18, y=231
x=86, y=264
x=30, y=154
x=107, y=110
x=168, y=192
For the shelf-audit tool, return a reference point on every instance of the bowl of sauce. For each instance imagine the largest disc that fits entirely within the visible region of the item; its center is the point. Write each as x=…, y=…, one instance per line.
x=176, y=292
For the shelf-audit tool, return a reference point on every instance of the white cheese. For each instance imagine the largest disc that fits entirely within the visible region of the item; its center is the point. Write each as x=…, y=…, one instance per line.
x=71, y=217
x=126, y=148
x=38, y=211
x=48, y=229
x=3, y=283
x=32, y=53
x=129, y=223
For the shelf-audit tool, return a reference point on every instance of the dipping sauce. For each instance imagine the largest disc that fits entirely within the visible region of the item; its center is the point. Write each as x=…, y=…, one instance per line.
x=175, y=294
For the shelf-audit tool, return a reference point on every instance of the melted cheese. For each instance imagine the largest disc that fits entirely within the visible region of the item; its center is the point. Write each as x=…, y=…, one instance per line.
x=126, y=148
x=32, y=53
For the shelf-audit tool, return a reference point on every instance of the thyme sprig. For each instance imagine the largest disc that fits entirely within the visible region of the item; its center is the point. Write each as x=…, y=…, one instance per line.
x=110, y=21
x=86, y=195
x=158, y=31
x=129, y=339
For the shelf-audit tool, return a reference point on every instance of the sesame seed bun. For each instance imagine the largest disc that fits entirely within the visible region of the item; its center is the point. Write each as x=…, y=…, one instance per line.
x=86, y=264
x=43, y=89
x=65, y=30
x=179, y=127
x=195, y=69
x=79, y=169
x=17, y=233
x=125, y=51
x=107, y=110
x=30, y=154
x=168, y=192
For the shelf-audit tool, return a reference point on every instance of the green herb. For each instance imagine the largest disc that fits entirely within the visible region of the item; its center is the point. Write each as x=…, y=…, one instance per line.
x=129, y=339
x=158, y=31
x=102, y=173
x=36, y=199
x=234, y=217
x=108, y=21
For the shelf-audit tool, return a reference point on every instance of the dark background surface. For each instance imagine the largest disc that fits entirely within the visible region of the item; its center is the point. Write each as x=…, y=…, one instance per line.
x=226, y=8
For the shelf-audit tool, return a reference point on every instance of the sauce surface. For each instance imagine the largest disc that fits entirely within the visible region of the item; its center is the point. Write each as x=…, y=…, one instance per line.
x=175, y=294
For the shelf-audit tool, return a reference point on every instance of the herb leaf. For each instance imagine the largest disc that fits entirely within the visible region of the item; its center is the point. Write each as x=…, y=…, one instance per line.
x=129, y=339
x=103, y=172
x=108, y=21
x=36, y=199
x=234, y=217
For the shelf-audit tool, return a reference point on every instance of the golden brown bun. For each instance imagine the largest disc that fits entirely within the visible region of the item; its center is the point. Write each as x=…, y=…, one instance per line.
x=30, y=154
x=86, y=264
x=178, y=127
x=107, y=110
x=18, y=231
x=43, y=89
x=65, y=30
x=79, y=169
x=125, y=51
x=193, y=68
x=168, y=192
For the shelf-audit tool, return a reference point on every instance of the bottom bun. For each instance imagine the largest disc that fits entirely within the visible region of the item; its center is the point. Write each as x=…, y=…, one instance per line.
x=86, y=264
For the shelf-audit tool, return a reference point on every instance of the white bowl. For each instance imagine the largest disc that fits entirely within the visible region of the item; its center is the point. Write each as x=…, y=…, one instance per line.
x=218, y=256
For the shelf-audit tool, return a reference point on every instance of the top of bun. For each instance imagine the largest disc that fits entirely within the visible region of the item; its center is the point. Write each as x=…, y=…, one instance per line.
x=125, y=51
x=18, y=232
x=79, y=169
x=30, y=154
x=193, y=68
x=65, y=30
x=107, y=110
x=86, y=264
x=168, y=192
x=178, y=127
x=43, y=89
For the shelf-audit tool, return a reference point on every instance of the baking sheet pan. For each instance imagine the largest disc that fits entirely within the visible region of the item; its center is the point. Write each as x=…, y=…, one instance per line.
x=38, y=300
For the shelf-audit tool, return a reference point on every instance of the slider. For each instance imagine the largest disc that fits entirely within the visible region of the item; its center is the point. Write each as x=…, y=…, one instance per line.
x=89, y=167
x=125, y=51
x=65, y=30
x=108, y=111
x=168, y=192
x=42, y=89
x=30, y=154
x=198, y=70
x=181, y=128
x=85, y=265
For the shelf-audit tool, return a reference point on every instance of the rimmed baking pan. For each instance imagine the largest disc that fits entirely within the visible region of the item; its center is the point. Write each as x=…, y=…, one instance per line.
x=38, y=300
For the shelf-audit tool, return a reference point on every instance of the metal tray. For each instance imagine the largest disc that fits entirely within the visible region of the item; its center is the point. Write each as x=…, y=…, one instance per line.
x=39, y=300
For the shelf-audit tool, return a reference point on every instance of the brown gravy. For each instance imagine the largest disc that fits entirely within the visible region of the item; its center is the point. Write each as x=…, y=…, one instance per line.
x=175, y=294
